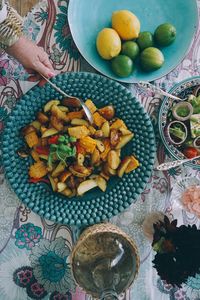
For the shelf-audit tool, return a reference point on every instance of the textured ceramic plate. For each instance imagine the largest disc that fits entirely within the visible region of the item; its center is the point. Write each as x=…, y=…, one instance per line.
x=95, y=205
x=181, y=90
x=86, y=18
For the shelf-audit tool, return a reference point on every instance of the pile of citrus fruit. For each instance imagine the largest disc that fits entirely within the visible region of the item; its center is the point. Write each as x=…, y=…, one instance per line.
x=125, y=46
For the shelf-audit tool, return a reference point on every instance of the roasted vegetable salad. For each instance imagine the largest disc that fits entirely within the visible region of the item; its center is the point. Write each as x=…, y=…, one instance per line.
x=73, y=155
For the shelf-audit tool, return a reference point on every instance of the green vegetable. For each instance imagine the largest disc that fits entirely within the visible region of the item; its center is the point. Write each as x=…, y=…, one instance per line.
x=72, y=139
x=178, y=132
x=182, y=111
x=61, y=139
x=195, y=101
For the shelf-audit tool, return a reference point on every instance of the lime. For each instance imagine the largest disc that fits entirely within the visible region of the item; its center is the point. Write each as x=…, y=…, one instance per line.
x=165, y=34
x=130, y=49
x=145, y=40
x=122, y=65
x=151, y=59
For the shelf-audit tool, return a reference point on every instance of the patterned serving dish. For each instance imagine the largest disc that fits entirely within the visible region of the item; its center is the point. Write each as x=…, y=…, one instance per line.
x=94, y=206
x=182, y=89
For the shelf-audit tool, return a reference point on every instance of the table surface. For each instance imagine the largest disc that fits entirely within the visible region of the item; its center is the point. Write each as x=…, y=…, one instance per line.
x=31, y=246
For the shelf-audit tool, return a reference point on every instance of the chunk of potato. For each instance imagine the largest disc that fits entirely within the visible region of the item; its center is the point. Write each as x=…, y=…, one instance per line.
x=124, y=140
x=49, y=132
x=106, y=129
x=36, y=124
x=53, y=183
x=123, y=166
x=113, y=160
x=85, y=186
x=108, y=112
x=64, y=175
x=77, y=121
x=38, y=170
x=56, y=123
x=75, y=115
x=114, y=137
x=100, y=146
x=78, y=131
x=96, y=157
x=42, y=118
x=92, y=107
x=98, y=119
x=63, y=108
x=31, y=139
x=88, y=144
x=58, y=170
x=49, y=105
x=67, y=192
x=80, y=159
x=101, y=182
x=80, y=171
x=134, y=163
x=92, y=130
x=61, y=186
x=104, y=154
x=35, y=155
x=124, y=131
x=118, y=124
x=59, y=114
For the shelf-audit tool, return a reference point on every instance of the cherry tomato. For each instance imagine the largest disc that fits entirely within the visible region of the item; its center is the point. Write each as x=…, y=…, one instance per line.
x=190, y=152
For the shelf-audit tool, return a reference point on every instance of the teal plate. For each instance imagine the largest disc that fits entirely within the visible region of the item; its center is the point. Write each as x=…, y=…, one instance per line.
x=181, y=89
x=87, y=17
x=94, y=206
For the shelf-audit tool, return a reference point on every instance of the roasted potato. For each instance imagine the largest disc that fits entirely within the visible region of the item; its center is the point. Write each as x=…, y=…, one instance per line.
x=113, y=160
x=85, y=186
x=108, y=112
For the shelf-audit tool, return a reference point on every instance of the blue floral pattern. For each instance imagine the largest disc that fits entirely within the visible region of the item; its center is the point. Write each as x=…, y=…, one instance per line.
x=50, y=266
x=27, y=236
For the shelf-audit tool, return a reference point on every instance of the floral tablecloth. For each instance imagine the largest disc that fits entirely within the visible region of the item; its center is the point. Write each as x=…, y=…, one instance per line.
x=34, y=252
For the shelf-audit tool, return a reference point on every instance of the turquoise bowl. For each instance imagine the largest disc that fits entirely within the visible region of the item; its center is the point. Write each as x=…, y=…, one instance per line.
x=87, y=17
x=95, y=206
x=181, y=89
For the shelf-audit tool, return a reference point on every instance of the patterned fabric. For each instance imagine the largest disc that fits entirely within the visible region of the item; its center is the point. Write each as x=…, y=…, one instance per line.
x=30, y=244
x=11, y=27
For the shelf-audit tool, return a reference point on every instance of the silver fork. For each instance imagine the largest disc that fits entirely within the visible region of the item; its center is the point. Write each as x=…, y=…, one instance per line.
x=85, y=108
x=148, y=86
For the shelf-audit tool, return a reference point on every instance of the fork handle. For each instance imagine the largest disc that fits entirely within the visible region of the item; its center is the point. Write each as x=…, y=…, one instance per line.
x=56, y=87
x=153, y=88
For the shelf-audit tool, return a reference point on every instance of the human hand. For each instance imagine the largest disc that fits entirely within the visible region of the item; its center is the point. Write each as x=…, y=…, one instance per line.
x=33, y=58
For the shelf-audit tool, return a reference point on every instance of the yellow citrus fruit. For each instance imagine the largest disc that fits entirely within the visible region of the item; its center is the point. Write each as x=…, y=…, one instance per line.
x=108, y=43
x=126, y=24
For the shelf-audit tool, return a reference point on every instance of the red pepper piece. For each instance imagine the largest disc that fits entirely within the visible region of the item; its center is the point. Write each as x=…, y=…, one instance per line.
x=79, y=148
x=42, y=150
x=53, y=139
x=190, y=152
x=35, y=180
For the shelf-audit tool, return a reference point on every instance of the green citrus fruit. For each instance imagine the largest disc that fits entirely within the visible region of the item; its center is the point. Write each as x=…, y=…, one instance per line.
x=122, y=65
x=165, y=34
x=145, y=40
x=151, y=59
x=130, y=49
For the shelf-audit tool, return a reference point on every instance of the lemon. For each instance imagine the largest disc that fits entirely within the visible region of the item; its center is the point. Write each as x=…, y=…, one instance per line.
x=126, y=24
x=108, y=43
x=122, y=65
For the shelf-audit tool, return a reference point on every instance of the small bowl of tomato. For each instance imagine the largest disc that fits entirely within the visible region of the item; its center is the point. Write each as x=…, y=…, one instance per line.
x=182, y=118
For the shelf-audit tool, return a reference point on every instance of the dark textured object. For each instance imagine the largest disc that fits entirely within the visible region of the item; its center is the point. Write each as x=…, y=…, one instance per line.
x=178, y=251
x=95, y=206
